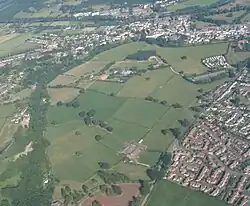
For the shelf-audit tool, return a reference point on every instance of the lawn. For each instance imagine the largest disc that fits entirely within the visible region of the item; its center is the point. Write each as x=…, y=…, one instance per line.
x=194, y=55
x=141, y=86
x=167, y=193
x=190, y=3
x=140, y=112
x=62, y=94
x=104, y=105
x=7, y=110
x=106, y=87
x=25, y=93
x=7, y=132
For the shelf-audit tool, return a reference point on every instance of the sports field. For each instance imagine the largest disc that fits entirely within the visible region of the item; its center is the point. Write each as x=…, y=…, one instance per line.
x=167, y=193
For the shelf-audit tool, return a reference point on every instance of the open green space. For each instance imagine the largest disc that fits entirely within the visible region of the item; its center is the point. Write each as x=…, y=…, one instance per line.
x=167, y=193
x=105, y=106
x=133, y=171
x=194, y=54
x=157, y=141
x=189, y=3
x=143, y=86
x=7, y=110
x=226, y=17
x=140, y=112
x=17, y=45
x=106, y=87
x=75, y=157
x=121, y=52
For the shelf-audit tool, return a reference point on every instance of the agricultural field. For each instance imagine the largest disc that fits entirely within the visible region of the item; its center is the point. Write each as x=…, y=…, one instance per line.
x=62, y=94
x=156, y=79
x=190, y=3
x=132, y=118
x=168, y=193
x=6, y=37
x=192, y=64
x=106, y=87
x=16, y=45
x=227, y=18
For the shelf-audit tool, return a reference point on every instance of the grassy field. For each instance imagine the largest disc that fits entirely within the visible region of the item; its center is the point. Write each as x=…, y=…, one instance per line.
x=190, y=3
x=226, y=18
x=6, y=37
x=63, y=80
x=106, y=87
x=16, y=45
x=121, y=52
x=104, y=105
x=157, y=79
x=194, y=55
x=62, y=151
x=167, y=194
x=62, y=94
x=140, y=112
x=25, y=93
x=75, y=157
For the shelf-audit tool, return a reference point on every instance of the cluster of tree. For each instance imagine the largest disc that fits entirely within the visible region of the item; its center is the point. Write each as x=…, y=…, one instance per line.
x=158, y=171
x=185, y=122
x=144, y=187
x=141, y=55
x=176, y=105
x=33, y=167
x=71, y=197
x=112, y=177
x=106, y=67
x=151, y=99
x=88, y=118
x=134, y=202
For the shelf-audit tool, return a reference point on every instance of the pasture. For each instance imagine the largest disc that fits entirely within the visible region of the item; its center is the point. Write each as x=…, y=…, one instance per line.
x=75, y=157
x=62, y=94
x=121, y=52
x=226, y=17
x=6, y=37
x=105, y=106
x=194, y=54
x=189, y=3
x=106, y=87
x=62, y=79
x=16, y=45
x=143, y=86
x=168, y=193
x=140, y=112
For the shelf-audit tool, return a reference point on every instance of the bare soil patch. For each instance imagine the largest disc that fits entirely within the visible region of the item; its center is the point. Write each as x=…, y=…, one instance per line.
x=129, y=190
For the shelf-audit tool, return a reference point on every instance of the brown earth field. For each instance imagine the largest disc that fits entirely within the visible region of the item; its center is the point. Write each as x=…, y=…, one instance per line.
x=129, y=191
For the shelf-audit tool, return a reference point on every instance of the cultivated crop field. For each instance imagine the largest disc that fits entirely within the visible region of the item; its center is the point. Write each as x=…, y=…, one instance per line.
x=168, y=193
x=74, y=151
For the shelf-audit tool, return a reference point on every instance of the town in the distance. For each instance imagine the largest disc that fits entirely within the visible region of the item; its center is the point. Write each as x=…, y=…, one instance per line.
x=124, y=103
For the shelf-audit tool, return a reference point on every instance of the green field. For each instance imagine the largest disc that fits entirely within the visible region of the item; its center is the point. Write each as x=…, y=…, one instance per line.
x=190, y=3
x=104, y=105
x=140, y=112
x=16, y=45
x=167, y=193
x=106, y=87
x=226, y=18
x=194, y=55
x=140, y=87
x=75, y=158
